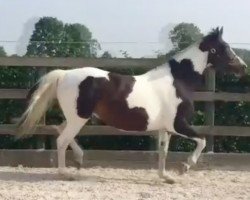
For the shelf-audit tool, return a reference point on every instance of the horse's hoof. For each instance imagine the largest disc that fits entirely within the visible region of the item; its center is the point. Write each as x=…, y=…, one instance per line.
x=65, y=175
x=78, y=160
x=78, y=165
x=69, y=177
x=184, y=168
x=169, y=180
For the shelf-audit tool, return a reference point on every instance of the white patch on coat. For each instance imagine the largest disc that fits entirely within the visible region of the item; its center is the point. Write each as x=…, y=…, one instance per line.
x=155, y=92
x=198, y=57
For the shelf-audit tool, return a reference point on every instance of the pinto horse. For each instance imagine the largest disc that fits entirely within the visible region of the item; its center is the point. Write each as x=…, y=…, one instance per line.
x=160, y=99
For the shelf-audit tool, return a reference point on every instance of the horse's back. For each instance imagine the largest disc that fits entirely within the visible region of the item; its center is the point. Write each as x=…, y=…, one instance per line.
x=79, y=74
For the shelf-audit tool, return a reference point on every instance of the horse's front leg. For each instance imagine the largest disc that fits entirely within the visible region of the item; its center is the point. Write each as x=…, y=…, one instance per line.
x=185, y=130
x=164, y=139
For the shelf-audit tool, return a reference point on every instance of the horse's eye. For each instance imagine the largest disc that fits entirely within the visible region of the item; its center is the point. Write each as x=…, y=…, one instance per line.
x=213, y=50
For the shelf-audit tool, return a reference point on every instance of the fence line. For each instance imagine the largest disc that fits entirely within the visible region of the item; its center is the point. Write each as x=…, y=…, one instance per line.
x=81, y=62
x=9, y=129
x=208, y=96
x=198, y=96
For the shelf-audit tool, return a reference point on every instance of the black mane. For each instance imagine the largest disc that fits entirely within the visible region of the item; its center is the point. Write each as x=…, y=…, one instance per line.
x=213, y=34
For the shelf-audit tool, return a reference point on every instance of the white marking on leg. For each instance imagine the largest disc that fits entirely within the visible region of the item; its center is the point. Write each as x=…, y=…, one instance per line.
x=164, y=139
x=201, y=143
x=77, y=150
x=71, y=130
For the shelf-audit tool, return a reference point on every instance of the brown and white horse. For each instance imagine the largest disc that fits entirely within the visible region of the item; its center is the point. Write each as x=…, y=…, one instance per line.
x=160, y=99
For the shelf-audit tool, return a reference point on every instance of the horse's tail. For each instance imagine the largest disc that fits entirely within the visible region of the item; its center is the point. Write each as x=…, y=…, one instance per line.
x=44, y=92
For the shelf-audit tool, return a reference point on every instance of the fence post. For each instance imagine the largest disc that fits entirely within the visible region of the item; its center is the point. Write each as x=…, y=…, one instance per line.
x=40, y=143
x=210, y=107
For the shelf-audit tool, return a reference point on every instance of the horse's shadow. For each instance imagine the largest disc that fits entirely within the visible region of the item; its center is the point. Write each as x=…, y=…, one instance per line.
x=30, y=177
x=27, y=177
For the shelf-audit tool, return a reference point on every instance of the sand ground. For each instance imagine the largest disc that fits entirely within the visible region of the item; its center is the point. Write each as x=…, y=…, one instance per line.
x=99, y=183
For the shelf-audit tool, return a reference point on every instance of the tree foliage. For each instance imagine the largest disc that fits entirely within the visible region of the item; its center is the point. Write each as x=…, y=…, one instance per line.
x=53, y=38
x=183, y=35
x=78, y=42
x=2, y=52
x=106, y=54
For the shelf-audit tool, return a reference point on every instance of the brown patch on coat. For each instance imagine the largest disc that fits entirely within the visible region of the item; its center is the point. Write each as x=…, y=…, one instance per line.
x=107, y=99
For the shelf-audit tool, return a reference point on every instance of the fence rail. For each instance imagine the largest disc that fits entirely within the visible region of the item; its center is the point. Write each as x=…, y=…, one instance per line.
x=10, y=129
x=80, y=62
x=198, y=96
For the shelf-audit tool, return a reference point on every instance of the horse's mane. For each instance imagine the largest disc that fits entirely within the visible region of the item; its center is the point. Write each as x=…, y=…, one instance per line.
x=212, y=35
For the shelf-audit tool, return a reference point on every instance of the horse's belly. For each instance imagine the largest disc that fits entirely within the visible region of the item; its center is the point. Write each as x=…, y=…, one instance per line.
x=119, y=115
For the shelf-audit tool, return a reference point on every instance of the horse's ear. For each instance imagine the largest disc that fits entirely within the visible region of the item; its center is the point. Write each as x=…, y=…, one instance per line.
x=221, y=31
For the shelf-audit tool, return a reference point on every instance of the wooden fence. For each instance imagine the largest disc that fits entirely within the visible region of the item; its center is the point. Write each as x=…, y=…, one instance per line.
x=208, y=96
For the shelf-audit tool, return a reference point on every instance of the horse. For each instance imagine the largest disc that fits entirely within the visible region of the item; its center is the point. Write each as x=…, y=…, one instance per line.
x=160, y=99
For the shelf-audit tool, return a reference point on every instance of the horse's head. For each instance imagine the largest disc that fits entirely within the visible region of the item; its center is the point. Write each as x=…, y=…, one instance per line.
x=220, y=55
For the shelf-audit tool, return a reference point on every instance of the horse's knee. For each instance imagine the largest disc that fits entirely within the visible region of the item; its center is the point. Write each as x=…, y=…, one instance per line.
x=201, y=143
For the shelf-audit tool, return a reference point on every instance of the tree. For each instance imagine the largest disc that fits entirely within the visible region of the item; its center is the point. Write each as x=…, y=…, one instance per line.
x=78, y=41
x=54, y=39
x=125, y=54
x=2, y=52
x=46, y=38
x=183, y=35
x=106, y=54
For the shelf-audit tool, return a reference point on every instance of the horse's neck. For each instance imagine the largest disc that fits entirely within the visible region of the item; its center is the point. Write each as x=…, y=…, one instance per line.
x=198, y=57
x=191, y=80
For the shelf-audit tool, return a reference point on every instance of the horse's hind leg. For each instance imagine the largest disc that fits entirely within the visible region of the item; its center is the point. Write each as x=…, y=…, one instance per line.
x=77, y=151
x=67, y=136
x=164, y=139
